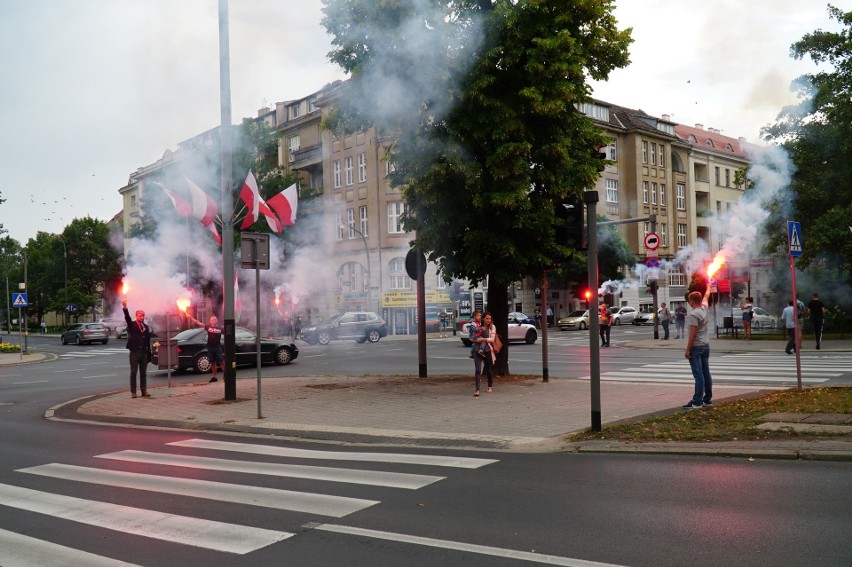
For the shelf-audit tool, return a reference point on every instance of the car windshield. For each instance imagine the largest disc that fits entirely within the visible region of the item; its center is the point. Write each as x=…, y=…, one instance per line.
x=333, y=320
x=577, y=313
x=188, y=334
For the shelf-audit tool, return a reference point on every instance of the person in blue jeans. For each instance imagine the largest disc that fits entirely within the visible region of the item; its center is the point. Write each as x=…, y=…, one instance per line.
x=698, y=350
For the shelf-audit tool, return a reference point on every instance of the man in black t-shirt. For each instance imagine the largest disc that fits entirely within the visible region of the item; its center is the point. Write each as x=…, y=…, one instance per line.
x=214, y=344
x=816, y=311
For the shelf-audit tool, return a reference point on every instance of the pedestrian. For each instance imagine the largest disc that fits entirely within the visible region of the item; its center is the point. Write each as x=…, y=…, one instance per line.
x=139, y=345
x=484, y=360
x=474, y=331
x=43, y=327
x=680, y=320
x=214, y=344
x=748, y=314
x=297, y=330
x=443, y=317
x=665, y=319
x=789, y=318
x=698, y=350
x=549, y=316
x=816, y=311
x=604, y=323
x=538, y=317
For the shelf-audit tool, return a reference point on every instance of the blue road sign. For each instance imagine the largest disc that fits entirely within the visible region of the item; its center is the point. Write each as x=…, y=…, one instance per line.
x=794, y=238
x=20, y=300
x=652, y=262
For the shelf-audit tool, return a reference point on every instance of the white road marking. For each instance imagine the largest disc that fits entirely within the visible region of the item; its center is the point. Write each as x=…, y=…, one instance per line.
x=460, y=546
x=24, y=551
x=322, y=504
x=434, y=460
x=353, y=476
x=33, y=382
x=138, y=521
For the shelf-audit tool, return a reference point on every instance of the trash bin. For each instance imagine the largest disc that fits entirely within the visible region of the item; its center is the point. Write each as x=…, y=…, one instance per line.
x=728, y=322
x=167, y=354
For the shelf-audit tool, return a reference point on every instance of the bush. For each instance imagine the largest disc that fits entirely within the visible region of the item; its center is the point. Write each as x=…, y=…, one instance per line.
x=9, y=347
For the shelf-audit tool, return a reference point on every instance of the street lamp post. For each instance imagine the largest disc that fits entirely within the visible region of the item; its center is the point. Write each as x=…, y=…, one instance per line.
x=65, y=262
x=367, y=250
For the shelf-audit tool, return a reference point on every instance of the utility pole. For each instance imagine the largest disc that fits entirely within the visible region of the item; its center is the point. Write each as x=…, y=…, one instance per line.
x=590, y=198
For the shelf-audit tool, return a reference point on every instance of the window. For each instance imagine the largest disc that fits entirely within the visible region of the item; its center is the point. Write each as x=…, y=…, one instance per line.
x=677, y=278
x=644, y=152
x=654, y=193
x=395, y=211
x=681, y=235
x=717, y=175
x=363, y=217
x=350, y=222
x=396, y=273
x=612, y=191
x=295, y=111
x=362, y=167
x=133, y=200
x=662, y=159
x=340, y=225
x=348, y=168
x=681, y=197
x=662, y=194
x=664, y=238
x=337, y=174
x=389, y=167
x=612, y=151
x=292, y=147
x=653, y=153
x=645, y=192
x=727, y=177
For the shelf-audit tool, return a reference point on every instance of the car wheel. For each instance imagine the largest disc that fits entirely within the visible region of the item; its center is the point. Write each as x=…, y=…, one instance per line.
x=466, y=342
x=324, y=338
x=756, y=324
x=77, y=341
x=283, y=356
x=105, y=341
x=202, y=363
x=582, y=326
x=373, y=336
x=617, y=322
x=531, y=337
x=64, y=340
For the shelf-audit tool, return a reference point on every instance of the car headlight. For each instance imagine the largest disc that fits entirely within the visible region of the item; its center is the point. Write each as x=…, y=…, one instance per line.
x=309, y=330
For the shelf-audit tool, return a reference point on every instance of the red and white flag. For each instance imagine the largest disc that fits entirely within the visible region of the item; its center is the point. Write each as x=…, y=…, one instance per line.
x=256, y=206
x=285, y=205
x=201, y=207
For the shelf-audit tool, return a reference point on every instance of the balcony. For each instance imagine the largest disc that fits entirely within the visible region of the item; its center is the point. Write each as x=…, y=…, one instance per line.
x=306, y=157
x=701, y=185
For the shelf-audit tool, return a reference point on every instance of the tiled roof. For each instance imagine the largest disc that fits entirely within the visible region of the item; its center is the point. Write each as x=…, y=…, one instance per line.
x=713, y=141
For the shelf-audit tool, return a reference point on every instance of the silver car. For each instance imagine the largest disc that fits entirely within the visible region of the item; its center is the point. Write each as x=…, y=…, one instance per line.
x=760, y=319
x=574, y=320
x=85, y=333
x=624, y=315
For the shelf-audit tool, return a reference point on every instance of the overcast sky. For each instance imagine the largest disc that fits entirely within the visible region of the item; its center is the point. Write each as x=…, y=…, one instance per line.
x=93, y=89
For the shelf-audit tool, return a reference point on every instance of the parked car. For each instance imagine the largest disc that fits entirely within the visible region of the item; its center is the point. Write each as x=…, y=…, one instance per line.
x=761, y=319
x=518, y=333
x=192, y=350
x=360, y=325
x=646, y=317
x=85, y=333
x=518, y=317
x=623, y=315
x=574, y=320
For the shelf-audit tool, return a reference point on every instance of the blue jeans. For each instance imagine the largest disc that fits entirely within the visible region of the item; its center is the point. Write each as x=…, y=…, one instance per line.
x=665, y=328
x=699, y=362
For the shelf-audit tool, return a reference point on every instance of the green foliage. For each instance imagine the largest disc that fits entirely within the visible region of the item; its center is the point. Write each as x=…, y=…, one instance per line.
x=817, y=133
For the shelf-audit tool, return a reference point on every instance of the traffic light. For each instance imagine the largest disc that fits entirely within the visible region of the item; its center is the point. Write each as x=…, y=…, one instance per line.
x=570, y=230
x=652, y=287
x=588, y=295
x=599, y=155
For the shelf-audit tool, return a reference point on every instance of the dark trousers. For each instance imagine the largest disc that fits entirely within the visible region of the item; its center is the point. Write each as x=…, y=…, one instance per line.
x=604, y=330
x=791, y=343
x=481, y=364
x=665, y=329
x=139, y=362
x=818, y=324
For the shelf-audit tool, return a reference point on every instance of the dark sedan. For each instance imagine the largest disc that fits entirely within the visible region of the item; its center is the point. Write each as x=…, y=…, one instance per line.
x=192, y=350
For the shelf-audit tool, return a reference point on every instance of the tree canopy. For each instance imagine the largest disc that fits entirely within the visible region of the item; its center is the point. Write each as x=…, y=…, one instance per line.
x=817, y=133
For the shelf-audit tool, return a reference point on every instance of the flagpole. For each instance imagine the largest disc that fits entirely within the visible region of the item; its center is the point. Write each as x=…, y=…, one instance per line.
x=230, y=376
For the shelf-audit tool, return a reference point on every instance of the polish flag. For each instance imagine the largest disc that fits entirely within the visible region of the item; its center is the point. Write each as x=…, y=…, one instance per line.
x=285, y=204
x=256, y=206
x=203, y=207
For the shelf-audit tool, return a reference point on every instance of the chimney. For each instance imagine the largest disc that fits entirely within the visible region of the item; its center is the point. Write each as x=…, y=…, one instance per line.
x=700, y=126
x=667, y=117
x=742, y=139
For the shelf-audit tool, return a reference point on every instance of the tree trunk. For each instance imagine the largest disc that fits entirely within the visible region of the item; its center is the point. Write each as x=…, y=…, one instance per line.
x=498, y=306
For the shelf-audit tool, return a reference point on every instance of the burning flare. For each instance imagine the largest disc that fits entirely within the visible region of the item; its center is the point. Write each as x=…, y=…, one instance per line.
x=183, y=303
x=125, y=287
x=714, y=266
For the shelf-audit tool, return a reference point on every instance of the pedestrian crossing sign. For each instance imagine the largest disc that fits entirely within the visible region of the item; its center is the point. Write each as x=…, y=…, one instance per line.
x=794, y=238
x=20, y=300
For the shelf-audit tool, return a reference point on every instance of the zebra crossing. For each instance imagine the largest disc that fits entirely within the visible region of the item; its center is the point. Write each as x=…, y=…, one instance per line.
x=756, y=367
x=90, y=352
x=21, y=550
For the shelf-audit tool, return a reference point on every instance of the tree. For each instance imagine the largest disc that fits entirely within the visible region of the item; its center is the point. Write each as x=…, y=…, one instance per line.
x=93, y=265
x=10, y=267
x=495, y=139
x=817, y=133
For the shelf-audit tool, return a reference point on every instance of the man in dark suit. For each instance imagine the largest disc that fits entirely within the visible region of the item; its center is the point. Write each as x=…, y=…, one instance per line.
x=139, y=345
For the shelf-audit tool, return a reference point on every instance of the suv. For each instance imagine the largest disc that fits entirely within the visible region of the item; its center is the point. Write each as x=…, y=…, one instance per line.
x=82, y=333
x=113, y=326
x=359, y=325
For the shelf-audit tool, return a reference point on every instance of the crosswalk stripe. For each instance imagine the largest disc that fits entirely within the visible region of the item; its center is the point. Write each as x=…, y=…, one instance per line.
x=646, y=376
x=322, y=504
x=737, y=369
x=434, y=460
x=195, y=532
x=353, y=476
x=24, y=551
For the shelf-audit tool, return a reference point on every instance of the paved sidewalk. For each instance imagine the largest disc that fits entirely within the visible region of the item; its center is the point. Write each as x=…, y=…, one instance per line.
x=520, y=415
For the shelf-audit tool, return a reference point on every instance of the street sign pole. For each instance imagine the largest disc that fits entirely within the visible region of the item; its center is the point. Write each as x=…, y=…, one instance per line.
x=591, y=200
x=794, y=247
